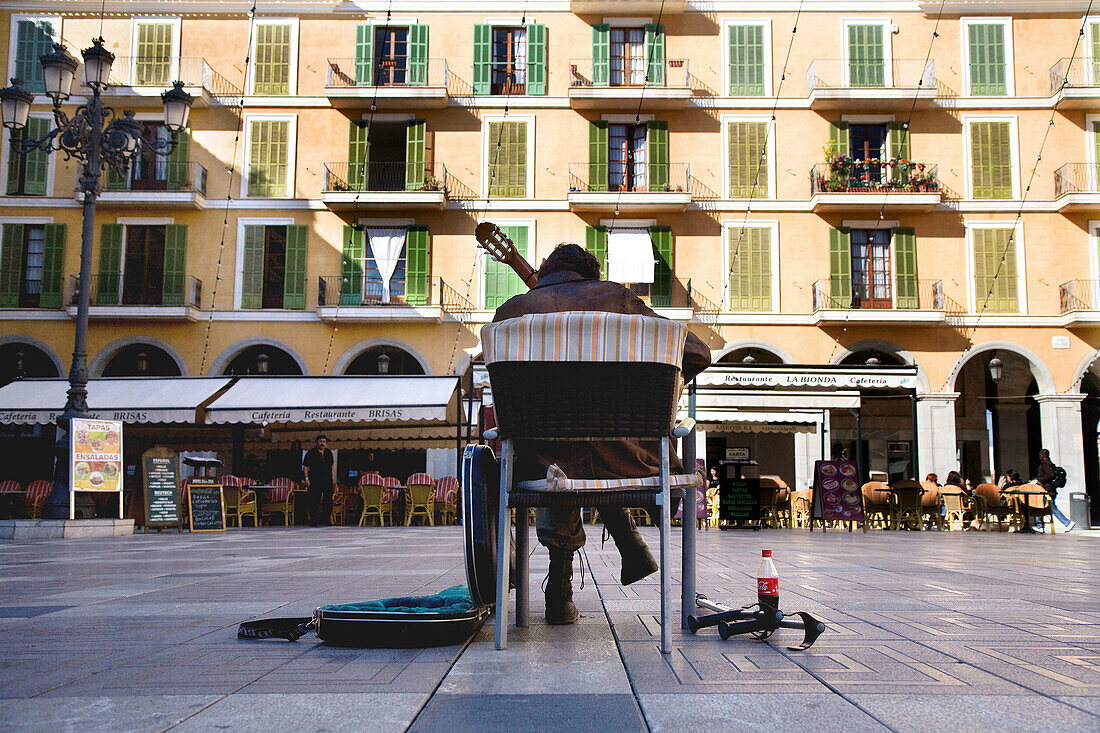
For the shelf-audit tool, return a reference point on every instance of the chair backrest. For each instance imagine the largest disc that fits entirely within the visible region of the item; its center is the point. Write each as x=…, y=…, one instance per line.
x=9, y=485
x=584, y=374
x=229, y=480
x=874, y=492
x=908, y=495
x=953, y=502
x=446, y=489
x=931, y=494
x=990, y=493
x=421, y=494
x=420, y=479
x=231, y=495
x=37, y=491
x=371, y=479
x=372, y=494
x=800, y=500
x=283, y=488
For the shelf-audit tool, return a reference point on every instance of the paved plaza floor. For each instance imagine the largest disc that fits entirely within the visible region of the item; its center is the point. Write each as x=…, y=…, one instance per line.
x=926, y=631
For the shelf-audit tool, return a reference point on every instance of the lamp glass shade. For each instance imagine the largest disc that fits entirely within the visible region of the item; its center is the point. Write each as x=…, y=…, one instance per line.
x=97, y=64
x=996, y=369
x=15, y=105
x=58, y=72
x=383, y=364
x=127, y=133
x=177, y=106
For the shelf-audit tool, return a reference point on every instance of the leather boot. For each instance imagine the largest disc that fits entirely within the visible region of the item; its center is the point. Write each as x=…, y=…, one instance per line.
x=638, y=561
x=560, y=610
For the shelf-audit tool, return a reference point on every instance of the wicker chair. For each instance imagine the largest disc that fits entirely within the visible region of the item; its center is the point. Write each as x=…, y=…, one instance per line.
x=601, y=376
x=931, y=509
x=878, y=504
x=908, y=510
x=377, y=499
x=420, y=498
x=956, y=507
x=992, y=508
x=280, y=499
x=35, y=498
x=446, y=499
x=800, y=508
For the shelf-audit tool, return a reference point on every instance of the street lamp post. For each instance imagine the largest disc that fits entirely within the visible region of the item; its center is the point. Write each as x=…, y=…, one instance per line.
x=97, y=137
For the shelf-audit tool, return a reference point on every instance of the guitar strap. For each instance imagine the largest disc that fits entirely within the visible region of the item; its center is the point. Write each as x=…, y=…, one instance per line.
x=290, y=629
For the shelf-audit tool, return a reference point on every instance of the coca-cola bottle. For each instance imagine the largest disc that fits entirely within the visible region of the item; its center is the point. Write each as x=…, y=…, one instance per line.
x=767, y=582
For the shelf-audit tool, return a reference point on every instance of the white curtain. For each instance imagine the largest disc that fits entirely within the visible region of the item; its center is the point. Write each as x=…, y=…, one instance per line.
x=386, y=244
x=629, y=256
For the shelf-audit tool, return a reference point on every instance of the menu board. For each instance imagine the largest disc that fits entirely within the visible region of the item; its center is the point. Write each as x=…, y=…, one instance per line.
x=96, y=455
x=739, y=500
x=161, y=491
x=206, y=507
x=837, y=494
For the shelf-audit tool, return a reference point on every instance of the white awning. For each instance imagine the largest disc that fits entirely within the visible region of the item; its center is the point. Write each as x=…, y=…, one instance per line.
x=130, y=399
x=733, y=421
x=313, y=400
x=813, y=377
x=770, y=400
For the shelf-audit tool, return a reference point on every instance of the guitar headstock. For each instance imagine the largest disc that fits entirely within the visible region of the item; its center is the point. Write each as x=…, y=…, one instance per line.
x=495, y=242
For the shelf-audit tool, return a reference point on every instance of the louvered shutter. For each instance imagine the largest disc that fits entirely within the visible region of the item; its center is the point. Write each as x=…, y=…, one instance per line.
x=750, y=269
x=351, y=270
x=905, y=268
x=595, y=241
x=53, y=260
x=655, y=55
x=268, y=155
x=11, y=264
x=747, y=144
x=840, y=268
x=1094, y=35
x=1096, y=155
x=27, y=173
x=995, y=279
x=415, y=133
x=597, y=155
x=991, y=160
x=660, y=292
x=838, y=137
x=418, y=55
x=866, y=56
x=110, y=264
x=601, y=55
x=272, y=63
x=483, y=35
x=358, y=154
x=988, y=72
x=175, y=264
x=417, y=265
x=178, y=162
x=746, y=60
x=364, y=55
x=899, y=148
x=252, y=267
x=508, y=159
x=657, y=142
x=536, y=58
x=154, y=55
x=32, y=39
x=294, y=287
x=501, y=282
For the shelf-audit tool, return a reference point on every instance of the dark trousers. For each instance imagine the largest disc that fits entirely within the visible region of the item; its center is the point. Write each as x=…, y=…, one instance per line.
x=319, y=504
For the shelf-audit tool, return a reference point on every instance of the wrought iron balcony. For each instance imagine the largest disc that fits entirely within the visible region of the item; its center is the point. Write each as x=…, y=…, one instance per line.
x=1075, y=82
x=603, y=84
x=599, y=187
x=882, y=303
x=351, y=82
x=168, y=184
x=337, y=299
x=137, y=79
x=889, y=84
x=1077, y=186
x=366, y=185
x=873, y=184
x=170, y=296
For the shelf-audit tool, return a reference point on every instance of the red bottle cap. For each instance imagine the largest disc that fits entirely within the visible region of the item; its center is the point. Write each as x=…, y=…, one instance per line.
x=765, y=553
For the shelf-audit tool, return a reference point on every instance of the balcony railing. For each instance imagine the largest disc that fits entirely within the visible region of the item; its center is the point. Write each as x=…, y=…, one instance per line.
x=173, y=176
x=193, y=71
x=1076, y=178
x=336, y=290
x=927, y=296
x=345, y=73
x=1079, y=295
x=169, y=290
x=355, y=177
x=888, y=74
x=1075, y=72
x=874, y=176
x=603, y=178
x=602, y=73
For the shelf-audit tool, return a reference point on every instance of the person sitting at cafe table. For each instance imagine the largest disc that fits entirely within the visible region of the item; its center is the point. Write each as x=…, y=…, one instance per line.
x=319, y=467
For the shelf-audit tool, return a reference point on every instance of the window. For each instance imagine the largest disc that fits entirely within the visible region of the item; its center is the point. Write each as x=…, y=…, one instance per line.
x=1092, y=53
x=141, y=264
x=750, y=258
x=871, y=146
x=997, y=269
x=987, y=48
x=640, y=257
x=872, y=268
x=387, y=156
x=748, y=159
x=507, y=155
x=270, y=156
x=510, y=59
x=992, y=159
x=499, y=281
x=273, y=266
x=391, y=55
x=273, y=56
x=28, y=174
x=31, y=258
x=628, y=157
x=384, y=265
x=154, y=52
x=867, y=54
x=33, y=37
x=749, y=61
x=628, y=56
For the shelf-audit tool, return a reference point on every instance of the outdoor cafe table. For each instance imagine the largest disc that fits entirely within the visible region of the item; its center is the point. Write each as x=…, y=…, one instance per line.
x=1027, y=528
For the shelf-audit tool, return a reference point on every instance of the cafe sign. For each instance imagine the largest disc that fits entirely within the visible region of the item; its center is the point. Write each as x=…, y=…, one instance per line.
x=809, y=378
x=96, y=455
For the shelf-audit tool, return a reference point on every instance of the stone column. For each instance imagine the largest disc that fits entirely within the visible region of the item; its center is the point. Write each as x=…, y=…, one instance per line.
x=936, y=434
x=1060, y=417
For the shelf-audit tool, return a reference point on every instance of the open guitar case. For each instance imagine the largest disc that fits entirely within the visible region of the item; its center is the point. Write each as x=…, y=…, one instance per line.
x=446, y=618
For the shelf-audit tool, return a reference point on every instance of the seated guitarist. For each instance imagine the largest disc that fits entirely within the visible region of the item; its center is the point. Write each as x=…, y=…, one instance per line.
x=569, y=280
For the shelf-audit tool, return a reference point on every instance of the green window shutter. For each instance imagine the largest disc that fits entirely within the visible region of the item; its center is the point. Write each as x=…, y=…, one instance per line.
x=418, y=55
x=268, y=154
x=838, y=137
x=866, y=56
x=905, y=267
x=988, y=73
x=1094, y=34
x=27, y=173
x=747, y=143
x=11, y=264
x=417, y=255
x=991, y=160
x=750, y=269
x=415, y=133
x=660, y=293
x=175, y=264
x=110, y=264
x=840, y=268
x=657, y=142
x=118, y=179
x=655, y=55
x=52, y=263
x=501, y=282
x=536, y=58
x=364, y=55
x=294, y=286
x=351, y=272
x=358, y=154
x=15, y=161
x=601, y=55
x=1096, y=154
x=899, y=148
x=597, y=155
x=154, y=55
x=179, y=161
x=508, y=159
x=32, y=39
x=746, y=61
x=595, y=241
x=272, y=63
x=995, y=285
x=482, y=58
x=252, y=267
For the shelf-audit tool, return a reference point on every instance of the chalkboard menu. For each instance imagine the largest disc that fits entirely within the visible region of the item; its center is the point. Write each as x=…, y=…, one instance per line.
x=837, y=494
x=162, y=501
x=739, y=500
x=206, y=507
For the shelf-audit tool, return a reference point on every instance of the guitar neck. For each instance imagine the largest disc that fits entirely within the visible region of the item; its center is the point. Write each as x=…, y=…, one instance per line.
x=523, y=268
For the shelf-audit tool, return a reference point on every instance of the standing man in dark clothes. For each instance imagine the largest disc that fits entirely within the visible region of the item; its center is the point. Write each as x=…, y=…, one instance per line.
x=319, y=467
x=569, y=280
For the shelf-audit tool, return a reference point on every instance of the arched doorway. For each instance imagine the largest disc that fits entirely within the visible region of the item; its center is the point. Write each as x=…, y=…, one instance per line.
x=384, y=359
x=749, y=355
x=141, y=360
x=19, y=360
x=1090, y=432
x=263, y=359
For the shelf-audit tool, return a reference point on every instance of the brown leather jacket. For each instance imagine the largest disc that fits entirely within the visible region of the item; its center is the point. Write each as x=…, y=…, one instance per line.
x=570, y=291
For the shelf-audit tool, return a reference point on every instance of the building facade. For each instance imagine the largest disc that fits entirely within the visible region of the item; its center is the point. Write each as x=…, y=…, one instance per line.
x=815, y=183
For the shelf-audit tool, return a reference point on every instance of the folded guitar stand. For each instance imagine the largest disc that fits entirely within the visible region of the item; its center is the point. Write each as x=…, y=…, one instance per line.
x=760, y=622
